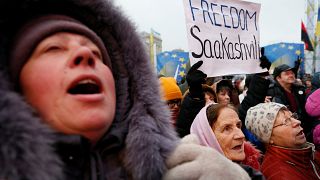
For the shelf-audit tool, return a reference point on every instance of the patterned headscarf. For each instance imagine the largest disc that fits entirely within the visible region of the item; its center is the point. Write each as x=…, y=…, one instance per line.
x=260, y=119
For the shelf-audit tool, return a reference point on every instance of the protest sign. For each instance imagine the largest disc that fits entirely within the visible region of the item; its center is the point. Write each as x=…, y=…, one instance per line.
x=225, y=35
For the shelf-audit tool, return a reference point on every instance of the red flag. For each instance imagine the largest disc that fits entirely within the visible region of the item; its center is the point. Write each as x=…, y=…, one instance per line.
x=305, y=38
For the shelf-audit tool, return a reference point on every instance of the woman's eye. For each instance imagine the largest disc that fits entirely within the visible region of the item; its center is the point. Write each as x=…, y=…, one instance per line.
x=227, y=128
x=52, y=48
x=97, y=54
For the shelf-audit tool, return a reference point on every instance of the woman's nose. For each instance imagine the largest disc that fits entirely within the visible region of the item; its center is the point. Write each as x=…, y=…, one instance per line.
x=239, y=134
x=83, y=56
x=295, y=122
x=227, y=96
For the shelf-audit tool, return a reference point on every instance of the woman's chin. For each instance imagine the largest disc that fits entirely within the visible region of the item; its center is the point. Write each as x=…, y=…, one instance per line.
x=237, y=157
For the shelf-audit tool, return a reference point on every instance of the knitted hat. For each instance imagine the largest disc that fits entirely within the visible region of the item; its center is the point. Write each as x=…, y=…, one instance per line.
x=35, y=30
x=313, y=104
x=260, y=119
x=170, y=88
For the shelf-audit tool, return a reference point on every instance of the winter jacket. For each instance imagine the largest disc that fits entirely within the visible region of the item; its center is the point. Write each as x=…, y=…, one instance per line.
x=294, y=164
x=278, y=95
x=140, y=137
x=190, y=107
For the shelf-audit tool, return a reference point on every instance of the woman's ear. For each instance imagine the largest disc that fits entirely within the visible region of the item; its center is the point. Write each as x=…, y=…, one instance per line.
x=271, y=141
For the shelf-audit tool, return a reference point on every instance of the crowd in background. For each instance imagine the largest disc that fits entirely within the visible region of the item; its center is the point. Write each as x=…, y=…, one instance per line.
x=268, y=123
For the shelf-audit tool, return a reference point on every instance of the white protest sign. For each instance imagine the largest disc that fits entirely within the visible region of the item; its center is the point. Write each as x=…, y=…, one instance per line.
x=225, y=35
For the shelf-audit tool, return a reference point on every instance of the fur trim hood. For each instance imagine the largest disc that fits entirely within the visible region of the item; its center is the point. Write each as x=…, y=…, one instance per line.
x=141, y=129
x=26, y=151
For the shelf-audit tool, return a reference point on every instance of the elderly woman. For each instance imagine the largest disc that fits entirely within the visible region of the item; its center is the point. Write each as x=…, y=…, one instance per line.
x=218, y=126
x=288, y=155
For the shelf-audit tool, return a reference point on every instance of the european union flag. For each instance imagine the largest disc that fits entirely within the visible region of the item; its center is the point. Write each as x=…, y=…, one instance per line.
x=285, y=53
x=173, y=64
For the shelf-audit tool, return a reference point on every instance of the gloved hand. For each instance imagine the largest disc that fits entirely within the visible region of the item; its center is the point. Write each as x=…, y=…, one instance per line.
x=297, y=62
x=264, y=61
x=195, y=79
x=192, y=161
x=296, y=66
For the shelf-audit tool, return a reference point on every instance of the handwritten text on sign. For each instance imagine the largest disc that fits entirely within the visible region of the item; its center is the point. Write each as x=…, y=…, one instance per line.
x=224, y=34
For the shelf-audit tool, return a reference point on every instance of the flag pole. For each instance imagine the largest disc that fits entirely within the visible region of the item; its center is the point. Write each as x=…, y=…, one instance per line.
x=151, y=47
x=176, y=73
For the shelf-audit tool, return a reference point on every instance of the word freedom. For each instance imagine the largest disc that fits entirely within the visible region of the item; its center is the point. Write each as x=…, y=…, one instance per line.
x=223, y=15
x=224, y=49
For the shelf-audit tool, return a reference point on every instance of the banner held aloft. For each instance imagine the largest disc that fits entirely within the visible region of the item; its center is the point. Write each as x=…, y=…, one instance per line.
x=224, y=34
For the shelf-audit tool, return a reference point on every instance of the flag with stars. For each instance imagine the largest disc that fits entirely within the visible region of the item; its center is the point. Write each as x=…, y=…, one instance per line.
x=285, y=53
x=173, y=64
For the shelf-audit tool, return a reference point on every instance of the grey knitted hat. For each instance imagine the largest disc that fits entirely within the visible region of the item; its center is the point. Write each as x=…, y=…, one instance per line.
x=37, y=29
x=260, y=119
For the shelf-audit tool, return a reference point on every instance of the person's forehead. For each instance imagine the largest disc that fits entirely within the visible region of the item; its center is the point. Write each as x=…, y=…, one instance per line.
x=283, y=114
x=67, y=36
x=224, y=89
x=287, y=71
x=227, y=114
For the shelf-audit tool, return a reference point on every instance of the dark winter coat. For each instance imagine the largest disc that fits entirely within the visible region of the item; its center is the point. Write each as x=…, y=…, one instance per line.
x=190, y=107
x=141, y=136
x=256, y=94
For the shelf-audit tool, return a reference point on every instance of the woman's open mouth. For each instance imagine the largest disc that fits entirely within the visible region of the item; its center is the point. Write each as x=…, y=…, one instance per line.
x=238, y=147
x=300, y=133
x=86, y=86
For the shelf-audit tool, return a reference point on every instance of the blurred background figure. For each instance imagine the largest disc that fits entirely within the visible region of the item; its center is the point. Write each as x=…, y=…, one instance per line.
x=308, y=86
x=171, y=93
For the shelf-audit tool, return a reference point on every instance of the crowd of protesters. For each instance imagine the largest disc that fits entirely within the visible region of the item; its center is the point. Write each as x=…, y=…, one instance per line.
x=79, y=100
x=272, y=132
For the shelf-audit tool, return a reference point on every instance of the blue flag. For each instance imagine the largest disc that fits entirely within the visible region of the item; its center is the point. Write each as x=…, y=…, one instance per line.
x=173, y=64
x=285, y=53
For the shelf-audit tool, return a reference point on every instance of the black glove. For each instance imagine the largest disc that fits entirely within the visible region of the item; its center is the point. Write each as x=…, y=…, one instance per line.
x=195, y=79
x=296, y=66
x=264, y=61
x=297, y=63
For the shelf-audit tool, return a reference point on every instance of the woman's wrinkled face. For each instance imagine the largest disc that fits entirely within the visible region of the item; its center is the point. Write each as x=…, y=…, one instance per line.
x=66, y=81
x=227, y=130
x=223, y=96
x=287, y=131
